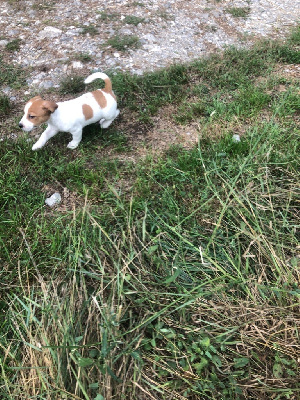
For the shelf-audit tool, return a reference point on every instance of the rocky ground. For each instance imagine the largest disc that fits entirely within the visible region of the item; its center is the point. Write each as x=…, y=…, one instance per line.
x=59, y=37
x=52, y=39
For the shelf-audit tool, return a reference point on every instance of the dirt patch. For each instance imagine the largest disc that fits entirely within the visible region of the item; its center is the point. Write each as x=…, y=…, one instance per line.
x=69, y=200
x=288, y=71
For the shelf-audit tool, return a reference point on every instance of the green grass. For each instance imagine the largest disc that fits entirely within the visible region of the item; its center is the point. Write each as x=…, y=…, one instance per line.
x=170, y=276
x=72, y=85
x=11, y=75
x=133, y=20
x=5, y=105
x=13, y=45
x=83, y=57
x=89, y=29
x=104, y=16
x=124, y=42
x=239, y=12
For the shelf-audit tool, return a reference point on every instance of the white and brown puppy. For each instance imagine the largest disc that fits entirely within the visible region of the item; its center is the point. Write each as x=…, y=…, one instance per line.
x=72, y=115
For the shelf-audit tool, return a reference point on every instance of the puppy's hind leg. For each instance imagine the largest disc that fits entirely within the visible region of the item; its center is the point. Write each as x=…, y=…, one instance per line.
x=104, y=123
x=77, y=136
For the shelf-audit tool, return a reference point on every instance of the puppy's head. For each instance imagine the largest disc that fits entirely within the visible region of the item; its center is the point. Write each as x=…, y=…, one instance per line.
x=36, y=112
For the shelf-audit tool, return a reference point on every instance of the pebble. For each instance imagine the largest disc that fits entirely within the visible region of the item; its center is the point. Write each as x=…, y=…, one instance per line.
x=49, y=32
x=46, y=85
x=236, y=138
x=53, y=200
x=77, y=65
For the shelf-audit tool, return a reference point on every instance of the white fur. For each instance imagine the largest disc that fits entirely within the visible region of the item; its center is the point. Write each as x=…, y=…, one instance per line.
x=95, y=75
x=69, y=117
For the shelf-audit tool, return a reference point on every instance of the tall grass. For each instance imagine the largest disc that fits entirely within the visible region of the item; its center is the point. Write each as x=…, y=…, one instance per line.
x=185, y=286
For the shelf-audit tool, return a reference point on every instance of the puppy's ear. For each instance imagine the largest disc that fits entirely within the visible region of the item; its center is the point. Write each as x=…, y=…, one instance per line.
x=49, y=105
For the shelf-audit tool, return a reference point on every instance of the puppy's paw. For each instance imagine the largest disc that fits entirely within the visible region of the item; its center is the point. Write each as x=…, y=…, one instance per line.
x=72, y=145
x=36, y=146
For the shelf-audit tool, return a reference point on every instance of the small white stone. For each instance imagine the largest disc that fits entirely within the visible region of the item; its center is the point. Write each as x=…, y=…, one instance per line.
x=3, y=43
x=53, y=200
x=49, y=32
x=77, y=65
x=236, y=138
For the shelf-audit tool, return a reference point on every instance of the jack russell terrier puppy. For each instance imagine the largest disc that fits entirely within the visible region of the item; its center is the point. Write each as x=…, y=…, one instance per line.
x=72, y=115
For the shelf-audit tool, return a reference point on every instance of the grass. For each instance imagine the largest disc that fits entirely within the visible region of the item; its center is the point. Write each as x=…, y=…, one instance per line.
x=5, y=105
x=239, y=12
x=171, y=276
x=13, y=45
x=89, y=29
x=104, y=16
x=44, y=5
x=133, y=20
x=124, y=42
x=11, y=75
x=72, y=85
x=83, y=57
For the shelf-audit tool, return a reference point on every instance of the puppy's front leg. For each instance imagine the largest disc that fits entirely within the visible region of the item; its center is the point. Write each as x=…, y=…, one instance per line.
x=77, y=136
x=45, y=136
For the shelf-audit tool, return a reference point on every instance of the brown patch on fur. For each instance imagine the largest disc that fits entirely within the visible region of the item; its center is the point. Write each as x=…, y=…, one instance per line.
x=49, y=105
x=40, y=110
x=108, y=88
x=100, y=98
x=35, y=98
x=87, y=111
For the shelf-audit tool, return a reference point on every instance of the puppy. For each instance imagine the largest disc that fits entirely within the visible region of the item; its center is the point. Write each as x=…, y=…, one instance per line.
x=72, y=115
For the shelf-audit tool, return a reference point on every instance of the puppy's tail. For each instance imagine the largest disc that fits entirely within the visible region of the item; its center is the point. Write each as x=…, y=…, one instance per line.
x=100, y=75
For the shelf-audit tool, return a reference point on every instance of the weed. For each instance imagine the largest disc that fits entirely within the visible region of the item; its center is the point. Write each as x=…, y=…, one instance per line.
x=164, y=14
x=11, y=75
x=133, y=20
x=239, y=12
x=104, y=16
x=14, y=45
x=285, y=54
x=89, y=29
x=287, y=103
x=83, y=57
x=295, y=36
x=5, y=105
x=123, y=43
x=72, y=85
x=44, y=5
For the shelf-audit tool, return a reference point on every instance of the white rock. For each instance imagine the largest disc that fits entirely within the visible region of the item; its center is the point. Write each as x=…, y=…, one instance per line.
x=53, y=200
x=77, y=64
x=3, y=42
x=49, y=32
x=236, y=138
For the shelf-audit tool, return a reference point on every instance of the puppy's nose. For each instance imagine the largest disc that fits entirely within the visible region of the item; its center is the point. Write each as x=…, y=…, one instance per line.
x=21, y=125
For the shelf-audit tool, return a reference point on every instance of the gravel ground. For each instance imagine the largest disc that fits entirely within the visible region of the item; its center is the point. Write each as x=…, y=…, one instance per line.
x=60, y=37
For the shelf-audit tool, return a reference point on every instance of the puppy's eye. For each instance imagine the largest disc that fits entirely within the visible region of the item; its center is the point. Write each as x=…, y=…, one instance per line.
x=31, y=116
